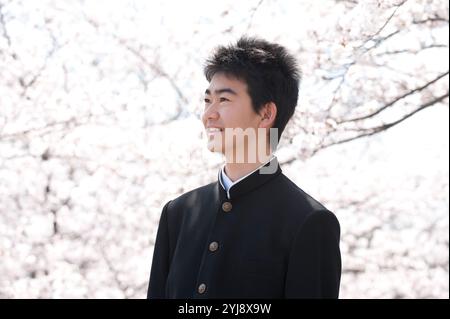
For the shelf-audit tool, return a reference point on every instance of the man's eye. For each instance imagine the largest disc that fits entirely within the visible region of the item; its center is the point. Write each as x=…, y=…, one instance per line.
x=223, y=99
x=207, y=101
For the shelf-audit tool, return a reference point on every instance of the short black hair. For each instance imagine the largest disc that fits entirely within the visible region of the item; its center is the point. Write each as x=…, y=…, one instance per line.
x=269, y=70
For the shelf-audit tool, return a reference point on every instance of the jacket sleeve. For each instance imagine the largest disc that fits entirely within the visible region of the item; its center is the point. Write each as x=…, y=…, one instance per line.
x=314, y=268
x=161, y=260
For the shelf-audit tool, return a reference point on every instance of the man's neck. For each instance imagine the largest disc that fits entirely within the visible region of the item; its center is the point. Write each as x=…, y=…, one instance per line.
x=236, y=171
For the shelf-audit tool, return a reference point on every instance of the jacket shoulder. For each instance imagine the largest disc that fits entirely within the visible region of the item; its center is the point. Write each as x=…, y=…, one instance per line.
x=297, y=206
x=294, y=195
x=193, y=196
x=304, y=212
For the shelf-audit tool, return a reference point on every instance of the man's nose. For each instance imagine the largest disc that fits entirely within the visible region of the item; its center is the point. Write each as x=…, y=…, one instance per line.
x=210, y=113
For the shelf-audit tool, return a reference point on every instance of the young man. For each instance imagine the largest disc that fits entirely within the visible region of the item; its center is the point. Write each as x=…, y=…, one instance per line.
x=253, y=233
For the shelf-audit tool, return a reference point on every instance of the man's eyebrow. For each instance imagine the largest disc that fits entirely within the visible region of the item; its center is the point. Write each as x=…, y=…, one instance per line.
x=225, y=90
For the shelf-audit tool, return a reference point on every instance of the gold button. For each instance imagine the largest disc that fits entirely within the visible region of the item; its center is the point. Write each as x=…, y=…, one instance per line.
x=201, y=289
x=226, y=206
x=213, y=246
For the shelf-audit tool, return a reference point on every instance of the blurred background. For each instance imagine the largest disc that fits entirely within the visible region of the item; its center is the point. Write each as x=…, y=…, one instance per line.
x=99, y=127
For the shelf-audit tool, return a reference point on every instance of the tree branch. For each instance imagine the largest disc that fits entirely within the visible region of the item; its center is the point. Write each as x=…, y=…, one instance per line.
x=5, y=31
x=371, y=37
x=395, y=100
x=435, y=19
x=378, y=129
x=425, y=47
x=253, y=14
x=76, y=121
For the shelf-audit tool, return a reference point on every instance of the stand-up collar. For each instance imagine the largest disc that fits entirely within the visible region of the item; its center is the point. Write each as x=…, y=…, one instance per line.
x=250, y=182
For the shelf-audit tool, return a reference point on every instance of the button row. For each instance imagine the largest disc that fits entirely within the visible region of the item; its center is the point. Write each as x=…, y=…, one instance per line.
x=213, y=246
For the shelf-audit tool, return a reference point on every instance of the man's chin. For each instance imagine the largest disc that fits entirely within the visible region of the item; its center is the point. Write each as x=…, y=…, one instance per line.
x=214, y=148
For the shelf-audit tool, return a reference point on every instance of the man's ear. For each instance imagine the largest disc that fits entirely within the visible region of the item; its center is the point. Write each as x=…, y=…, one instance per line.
x=268, y=115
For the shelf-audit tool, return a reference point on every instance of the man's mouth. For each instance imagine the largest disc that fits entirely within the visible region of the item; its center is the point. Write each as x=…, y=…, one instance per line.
x=211, y=130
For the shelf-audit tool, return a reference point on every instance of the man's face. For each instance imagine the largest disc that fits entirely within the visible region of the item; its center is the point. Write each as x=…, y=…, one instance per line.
x=227, y=105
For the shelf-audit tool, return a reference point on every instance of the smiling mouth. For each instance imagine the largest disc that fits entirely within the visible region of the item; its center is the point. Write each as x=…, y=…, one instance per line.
x=212, y=130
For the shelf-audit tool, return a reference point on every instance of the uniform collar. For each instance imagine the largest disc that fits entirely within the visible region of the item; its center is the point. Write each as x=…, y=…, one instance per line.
x=250, y=181
x=225, y=181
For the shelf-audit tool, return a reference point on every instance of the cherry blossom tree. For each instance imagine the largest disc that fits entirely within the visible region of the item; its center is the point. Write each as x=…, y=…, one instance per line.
x=99, y=127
